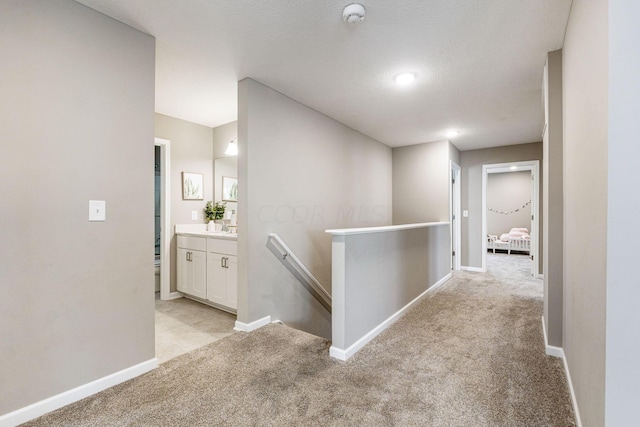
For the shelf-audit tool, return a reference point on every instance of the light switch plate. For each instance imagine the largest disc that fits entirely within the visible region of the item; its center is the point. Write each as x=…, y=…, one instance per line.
x=194, y=215
x=97, y=210
x=465, y=214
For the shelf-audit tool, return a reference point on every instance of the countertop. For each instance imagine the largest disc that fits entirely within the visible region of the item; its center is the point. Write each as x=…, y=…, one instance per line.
x=200, y=230
x=215, y=234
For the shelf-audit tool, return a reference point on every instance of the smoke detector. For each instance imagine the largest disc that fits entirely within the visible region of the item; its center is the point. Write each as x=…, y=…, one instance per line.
x=353, y=14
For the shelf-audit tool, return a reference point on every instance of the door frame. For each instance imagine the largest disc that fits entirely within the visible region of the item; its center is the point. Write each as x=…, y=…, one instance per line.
x=534, y=167
x=165, y=220
x=454, y=215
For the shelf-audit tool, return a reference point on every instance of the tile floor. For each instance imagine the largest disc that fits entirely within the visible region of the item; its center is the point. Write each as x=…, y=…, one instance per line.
x=182, y=325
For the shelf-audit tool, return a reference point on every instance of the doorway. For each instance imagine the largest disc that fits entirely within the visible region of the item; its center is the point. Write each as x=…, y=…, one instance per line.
x=163, y=221
x=532, y=205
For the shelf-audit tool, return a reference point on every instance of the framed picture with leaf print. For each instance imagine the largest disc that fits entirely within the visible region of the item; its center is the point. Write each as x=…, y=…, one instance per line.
x=192, y=186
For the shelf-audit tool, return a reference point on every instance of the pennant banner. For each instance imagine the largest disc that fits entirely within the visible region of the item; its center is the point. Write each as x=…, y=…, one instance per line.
x=510, y=212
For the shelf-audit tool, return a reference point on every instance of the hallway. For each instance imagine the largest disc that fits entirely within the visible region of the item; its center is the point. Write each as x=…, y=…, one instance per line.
x=469, y=354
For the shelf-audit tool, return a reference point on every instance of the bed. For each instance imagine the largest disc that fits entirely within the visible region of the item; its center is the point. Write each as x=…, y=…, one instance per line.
x=516, y=240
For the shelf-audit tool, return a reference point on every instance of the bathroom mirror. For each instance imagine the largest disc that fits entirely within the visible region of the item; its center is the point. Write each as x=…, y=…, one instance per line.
x=226, y=167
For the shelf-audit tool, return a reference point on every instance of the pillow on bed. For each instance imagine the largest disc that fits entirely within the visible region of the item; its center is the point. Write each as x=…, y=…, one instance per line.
x=518, y=233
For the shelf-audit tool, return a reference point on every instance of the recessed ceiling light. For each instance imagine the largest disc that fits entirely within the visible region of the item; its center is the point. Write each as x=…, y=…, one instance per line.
x=404, y=79
x=452, y=133
x=513, y=168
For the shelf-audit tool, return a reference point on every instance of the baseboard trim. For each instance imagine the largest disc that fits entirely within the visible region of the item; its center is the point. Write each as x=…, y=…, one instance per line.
x=550, y=350
x=571, y=391
x=174, y=295
x=248, y=327
x=474, y=269
x=345, y=354
x=45, y=406
x=554, y=351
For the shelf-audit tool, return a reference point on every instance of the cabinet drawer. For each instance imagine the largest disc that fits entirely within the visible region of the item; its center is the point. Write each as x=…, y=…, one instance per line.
x=221, y=246
x=194, y=243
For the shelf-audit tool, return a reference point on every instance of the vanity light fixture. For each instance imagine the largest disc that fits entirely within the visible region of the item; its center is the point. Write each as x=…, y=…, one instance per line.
x=452, y=133
x=404, y=79
x=232, y=148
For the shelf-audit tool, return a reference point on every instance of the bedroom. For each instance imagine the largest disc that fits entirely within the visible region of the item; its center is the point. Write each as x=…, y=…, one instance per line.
x=509, y=200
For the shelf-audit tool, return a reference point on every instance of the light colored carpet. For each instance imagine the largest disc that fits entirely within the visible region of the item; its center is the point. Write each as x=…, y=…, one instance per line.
x=470, y=354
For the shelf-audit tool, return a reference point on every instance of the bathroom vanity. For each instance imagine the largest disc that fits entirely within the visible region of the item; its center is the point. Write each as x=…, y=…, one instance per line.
x=207, y=267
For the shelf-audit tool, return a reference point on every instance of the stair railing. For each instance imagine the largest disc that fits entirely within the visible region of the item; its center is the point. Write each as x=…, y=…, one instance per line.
x=280, y=249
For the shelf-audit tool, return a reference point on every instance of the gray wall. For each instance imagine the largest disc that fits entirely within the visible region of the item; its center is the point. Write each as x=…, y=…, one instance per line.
x=421, y=182
x=552, y=212
x=506, y=192
x=78, y=300
x=300, y=173
x=191, y=151
x=454, y=154
x=584, y=82
x=379, y=273
x=623, y=292
x=471, y=191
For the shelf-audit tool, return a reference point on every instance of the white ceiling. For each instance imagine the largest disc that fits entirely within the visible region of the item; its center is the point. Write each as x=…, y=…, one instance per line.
x=479, y=63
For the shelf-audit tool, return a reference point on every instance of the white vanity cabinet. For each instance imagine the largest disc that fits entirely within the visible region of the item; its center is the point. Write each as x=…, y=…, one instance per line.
x=192, y=265
x=222, y=272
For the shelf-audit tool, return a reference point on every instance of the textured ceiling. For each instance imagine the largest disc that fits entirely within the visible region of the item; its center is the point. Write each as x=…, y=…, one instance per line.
x=478, y=63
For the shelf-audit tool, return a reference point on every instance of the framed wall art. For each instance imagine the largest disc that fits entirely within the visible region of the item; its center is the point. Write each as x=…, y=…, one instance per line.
x=192, y=186
x=229, y=189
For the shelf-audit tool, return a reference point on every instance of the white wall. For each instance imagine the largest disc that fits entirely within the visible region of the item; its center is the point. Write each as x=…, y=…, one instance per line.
x=507, y=192
x=585, y=77
x=300, y=173
x=78, y=296
x=623, y=292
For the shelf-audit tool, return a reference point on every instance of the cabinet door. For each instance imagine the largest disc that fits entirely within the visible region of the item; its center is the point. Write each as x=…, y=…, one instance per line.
x=199, y=274
x=216, y=279
x=184, y=272
x=232, y=281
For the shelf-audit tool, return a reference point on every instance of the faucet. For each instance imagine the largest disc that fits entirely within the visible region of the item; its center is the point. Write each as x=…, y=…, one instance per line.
x=225, y=229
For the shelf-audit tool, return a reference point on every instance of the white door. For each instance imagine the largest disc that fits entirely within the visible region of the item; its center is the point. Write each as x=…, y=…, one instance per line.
x=532, y=227
x=455, y=216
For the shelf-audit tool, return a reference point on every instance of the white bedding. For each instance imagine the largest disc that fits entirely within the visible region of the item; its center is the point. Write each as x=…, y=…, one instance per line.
x=517, y=239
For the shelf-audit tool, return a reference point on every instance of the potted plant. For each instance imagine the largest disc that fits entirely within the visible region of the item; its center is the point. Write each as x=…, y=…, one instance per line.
x=213, y=212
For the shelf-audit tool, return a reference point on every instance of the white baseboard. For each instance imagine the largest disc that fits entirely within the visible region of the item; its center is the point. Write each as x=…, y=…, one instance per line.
x=174, y=295
x=42, y=407
x=248, y=327
x=474, y=269
x=345, y=354
x=551, y=350
x=571, y=391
